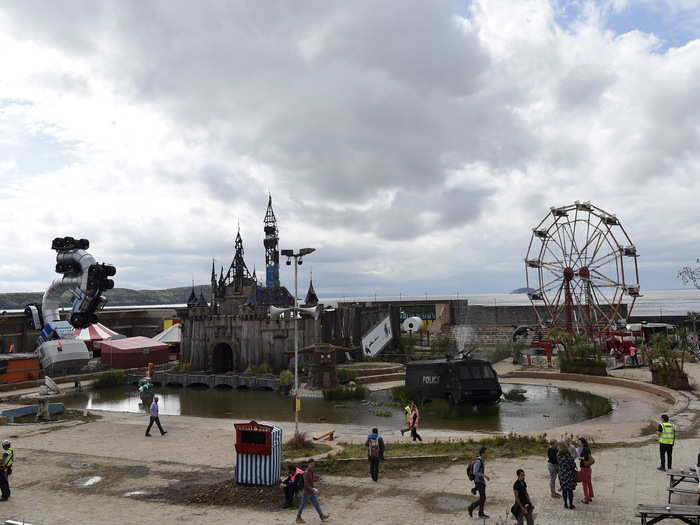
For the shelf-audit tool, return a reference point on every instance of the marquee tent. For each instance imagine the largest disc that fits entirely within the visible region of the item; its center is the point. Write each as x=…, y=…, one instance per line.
x=96, y=332
x=133, y=352
x=171, y=335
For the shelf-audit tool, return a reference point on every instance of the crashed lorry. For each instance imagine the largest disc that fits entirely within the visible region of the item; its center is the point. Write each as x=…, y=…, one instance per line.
x=59, y=351
x=460, y=380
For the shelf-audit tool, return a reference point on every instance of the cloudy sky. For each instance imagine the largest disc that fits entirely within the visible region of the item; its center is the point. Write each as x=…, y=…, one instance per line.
x=414, y=143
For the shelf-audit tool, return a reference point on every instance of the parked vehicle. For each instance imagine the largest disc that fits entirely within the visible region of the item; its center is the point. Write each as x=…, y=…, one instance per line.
x=461, y=380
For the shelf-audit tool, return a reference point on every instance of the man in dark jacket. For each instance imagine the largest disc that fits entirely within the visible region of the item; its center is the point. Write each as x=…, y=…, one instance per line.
x=310, y=492
x=375, y=452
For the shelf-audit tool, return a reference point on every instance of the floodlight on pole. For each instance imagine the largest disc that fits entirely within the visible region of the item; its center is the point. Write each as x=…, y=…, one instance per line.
x=296, y=312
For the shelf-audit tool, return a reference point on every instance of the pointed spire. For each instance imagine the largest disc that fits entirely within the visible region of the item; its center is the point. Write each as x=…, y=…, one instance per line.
x=311, y=297
x=192, y=300
x=202, y=300
x=272, y=256
x=214, y=292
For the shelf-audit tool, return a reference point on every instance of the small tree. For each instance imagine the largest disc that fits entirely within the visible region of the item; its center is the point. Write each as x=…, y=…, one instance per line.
x=667, y=363
x=690, y=275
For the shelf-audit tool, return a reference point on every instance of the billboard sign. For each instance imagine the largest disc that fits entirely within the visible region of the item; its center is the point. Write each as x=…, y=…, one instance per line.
x=377, y=338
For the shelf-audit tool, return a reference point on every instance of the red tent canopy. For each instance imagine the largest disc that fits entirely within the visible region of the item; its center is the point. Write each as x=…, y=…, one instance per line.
x=133, y=352
x=95, y=332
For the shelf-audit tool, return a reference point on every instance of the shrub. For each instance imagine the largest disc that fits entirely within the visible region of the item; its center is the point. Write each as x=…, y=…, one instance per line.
x=346, y=375
x=516, y=394
x=403, y=394
x=110, y=378
x=344, y=393
x=259, y=369
x=667, y=363
x=286, y=377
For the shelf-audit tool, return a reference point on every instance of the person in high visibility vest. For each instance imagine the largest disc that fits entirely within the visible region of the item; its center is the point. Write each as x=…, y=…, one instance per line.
x=8, y=458
x=667, y=438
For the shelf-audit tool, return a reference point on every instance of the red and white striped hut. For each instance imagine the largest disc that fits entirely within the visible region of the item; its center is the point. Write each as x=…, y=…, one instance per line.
x=96, y=332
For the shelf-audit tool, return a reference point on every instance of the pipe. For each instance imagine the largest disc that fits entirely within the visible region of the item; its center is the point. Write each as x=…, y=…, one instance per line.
x=52, y=296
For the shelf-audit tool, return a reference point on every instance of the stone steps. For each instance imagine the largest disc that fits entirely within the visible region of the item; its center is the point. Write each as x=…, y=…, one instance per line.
x=363, y=380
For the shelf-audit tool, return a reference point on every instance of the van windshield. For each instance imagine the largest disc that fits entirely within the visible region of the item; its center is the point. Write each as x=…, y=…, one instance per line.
x=476, y=372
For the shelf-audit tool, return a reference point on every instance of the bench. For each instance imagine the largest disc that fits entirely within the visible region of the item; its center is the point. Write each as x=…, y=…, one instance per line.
x=676, y=490
x=675, y=477
x=651, y=514
x=325, y=435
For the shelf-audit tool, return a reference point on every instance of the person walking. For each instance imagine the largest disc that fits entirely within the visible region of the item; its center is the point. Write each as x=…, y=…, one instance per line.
x=522, y=508
x=413, y=423
x=310, y=493
x=6, y=461
x=155, y=419
x=291, y=484
x=667, y=438
x=407, y=411
x=567, y=475
x=586, y=461
x=480, y=479
x=553, y=468
x=375, y=452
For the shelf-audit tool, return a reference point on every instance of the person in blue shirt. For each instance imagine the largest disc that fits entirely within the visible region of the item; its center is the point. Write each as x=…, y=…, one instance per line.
x=155, y=419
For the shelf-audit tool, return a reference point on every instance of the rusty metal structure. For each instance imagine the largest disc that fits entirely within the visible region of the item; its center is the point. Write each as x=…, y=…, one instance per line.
x=580, y=266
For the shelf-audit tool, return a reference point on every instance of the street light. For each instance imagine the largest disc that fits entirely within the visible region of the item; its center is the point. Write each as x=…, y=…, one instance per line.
x=297, y=261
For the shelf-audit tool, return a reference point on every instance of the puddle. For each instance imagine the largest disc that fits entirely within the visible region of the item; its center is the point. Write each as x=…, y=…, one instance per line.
x=143, y=494
x=139, y=471
x=87, y=481
x=78, y=464
x=448, y=503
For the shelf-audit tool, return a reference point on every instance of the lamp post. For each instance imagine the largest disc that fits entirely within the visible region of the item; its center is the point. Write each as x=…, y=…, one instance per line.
x=297, y=261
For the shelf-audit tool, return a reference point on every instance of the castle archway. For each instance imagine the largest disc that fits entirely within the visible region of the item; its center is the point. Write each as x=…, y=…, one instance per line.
x=222, y=358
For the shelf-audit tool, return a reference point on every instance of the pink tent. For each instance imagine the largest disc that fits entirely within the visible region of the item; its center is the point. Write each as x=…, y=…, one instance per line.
x=96, y=332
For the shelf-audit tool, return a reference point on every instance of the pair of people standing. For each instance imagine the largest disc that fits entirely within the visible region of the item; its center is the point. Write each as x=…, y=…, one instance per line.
x=567, y=473
x=412, y=419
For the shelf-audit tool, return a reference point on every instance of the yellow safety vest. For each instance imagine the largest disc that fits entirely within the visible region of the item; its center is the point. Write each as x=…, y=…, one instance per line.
x=668, y=434
x=8, y=458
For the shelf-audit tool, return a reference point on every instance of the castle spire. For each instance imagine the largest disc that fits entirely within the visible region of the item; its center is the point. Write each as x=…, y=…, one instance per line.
x=213, y=280
x=311, y=297
x=272, y=255
x=238, y=270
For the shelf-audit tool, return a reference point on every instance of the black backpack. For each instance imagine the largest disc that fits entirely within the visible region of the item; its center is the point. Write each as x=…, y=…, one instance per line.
x=470, y=470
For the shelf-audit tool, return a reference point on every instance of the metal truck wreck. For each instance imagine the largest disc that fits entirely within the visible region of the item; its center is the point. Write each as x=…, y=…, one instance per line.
x=59, y=351
x=460, y=380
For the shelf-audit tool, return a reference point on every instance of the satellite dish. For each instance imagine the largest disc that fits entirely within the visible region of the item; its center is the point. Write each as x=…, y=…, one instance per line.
x=51, y=385
x=412, y=324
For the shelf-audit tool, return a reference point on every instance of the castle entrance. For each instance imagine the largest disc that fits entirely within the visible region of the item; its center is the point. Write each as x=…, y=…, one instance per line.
x=222, y=358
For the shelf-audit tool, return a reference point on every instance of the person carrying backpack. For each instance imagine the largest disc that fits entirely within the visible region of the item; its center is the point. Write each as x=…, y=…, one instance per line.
x=476, y=472
x=375, y=452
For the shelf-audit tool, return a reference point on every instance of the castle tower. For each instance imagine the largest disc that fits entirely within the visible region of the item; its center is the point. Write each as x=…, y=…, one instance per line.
x=272, y=254
x=238, y=271
x=214, y=290
x=311, y=297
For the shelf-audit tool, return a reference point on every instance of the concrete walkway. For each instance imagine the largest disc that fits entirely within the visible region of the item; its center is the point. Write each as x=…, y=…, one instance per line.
x=52, y=456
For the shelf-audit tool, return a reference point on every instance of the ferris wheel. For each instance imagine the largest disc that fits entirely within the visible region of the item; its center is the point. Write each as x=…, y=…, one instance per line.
x=580, y=267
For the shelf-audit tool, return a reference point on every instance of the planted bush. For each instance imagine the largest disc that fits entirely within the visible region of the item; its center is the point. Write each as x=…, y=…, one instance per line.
x=286, y=377
x=109, y=379
x=346, y=375
x=516, y=394
x=344, y=393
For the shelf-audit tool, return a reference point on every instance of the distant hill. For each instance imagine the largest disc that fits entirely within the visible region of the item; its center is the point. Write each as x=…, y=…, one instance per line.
x=115, y=297
x=523, y=290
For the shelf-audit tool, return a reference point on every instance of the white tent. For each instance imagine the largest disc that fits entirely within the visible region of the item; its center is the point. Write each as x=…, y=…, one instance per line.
x=172, y=335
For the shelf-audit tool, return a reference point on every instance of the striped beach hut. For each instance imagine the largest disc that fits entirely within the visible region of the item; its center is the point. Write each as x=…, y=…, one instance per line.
x=258, y=454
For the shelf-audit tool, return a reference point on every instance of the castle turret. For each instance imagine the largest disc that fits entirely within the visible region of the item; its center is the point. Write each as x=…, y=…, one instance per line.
x=272, y=255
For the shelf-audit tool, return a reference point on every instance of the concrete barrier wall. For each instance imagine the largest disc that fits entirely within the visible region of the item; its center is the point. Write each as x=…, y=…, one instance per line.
x=612, y=381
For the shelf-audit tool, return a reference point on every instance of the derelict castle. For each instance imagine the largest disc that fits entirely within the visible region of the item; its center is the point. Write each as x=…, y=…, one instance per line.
x=235, y=330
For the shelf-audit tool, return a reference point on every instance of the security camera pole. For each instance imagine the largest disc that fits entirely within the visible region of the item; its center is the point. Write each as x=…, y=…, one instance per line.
x=297, y=261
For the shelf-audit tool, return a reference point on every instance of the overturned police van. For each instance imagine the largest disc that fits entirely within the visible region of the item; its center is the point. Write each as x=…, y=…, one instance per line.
x=460, y=380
